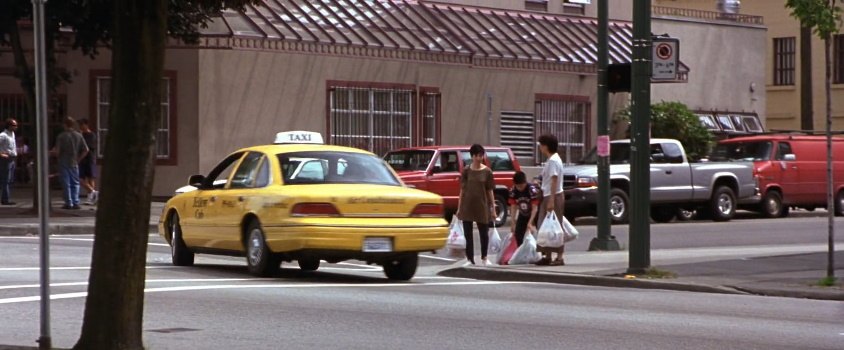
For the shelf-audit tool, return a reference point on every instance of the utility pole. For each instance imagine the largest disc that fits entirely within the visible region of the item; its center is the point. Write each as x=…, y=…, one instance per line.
x=605, y=239
x=640, y=235
x=44, y=341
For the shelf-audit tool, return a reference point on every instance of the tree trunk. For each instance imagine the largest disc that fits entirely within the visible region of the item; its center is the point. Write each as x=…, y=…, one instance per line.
x=806, y=103
x=115, y=303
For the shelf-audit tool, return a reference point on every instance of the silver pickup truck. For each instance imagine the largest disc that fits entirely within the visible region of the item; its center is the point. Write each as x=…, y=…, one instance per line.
x=712, y=188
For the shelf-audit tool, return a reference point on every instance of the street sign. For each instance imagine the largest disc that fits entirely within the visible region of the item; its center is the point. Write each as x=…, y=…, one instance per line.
x=665, y=58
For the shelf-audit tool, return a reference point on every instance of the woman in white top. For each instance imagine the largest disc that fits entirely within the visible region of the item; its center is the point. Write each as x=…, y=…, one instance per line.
x=553, y=199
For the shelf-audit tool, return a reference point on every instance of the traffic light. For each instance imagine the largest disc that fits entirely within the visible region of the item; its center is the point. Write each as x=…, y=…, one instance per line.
x=618, y=77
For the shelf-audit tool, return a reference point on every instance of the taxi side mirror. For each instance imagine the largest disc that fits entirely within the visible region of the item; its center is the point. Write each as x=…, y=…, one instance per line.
x=196, y=180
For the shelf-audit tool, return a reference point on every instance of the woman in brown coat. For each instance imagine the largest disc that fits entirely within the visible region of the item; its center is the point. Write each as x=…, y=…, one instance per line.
x=476, y=203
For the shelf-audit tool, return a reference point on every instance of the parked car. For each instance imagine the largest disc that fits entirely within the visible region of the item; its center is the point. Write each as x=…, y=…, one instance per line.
x=791, y=170
x=712, y=188
x=437, y=169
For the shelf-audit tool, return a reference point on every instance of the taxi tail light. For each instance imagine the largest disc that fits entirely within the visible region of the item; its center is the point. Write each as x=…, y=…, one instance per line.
x=314, y=209
x=428, y=210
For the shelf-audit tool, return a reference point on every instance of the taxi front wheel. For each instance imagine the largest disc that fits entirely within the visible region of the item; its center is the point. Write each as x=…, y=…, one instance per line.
x=402, y=268
x=261, y=261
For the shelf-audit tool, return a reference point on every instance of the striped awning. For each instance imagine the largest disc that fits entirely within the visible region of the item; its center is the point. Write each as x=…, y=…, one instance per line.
x=428, y=27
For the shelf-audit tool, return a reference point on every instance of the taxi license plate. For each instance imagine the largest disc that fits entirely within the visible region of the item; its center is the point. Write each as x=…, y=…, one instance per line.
x=377, y=245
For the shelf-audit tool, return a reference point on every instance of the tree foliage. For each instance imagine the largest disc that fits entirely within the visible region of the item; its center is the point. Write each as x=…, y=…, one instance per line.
x=820, y=15
x=675, y=121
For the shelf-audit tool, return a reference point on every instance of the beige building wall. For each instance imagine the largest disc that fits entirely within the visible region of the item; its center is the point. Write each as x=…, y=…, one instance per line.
x=247, y=96
x=783, y=102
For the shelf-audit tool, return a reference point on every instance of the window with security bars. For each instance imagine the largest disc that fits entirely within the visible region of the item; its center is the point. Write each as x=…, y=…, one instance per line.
x=784, y=60
x=373, y=119
x=518, y=133
x=567, y=118
x=163, y=148
x=838, y=59
x=431, y=110
x=14, y=106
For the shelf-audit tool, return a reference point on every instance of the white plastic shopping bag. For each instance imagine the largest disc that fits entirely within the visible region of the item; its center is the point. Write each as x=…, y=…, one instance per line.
x=494, y=241
x=526, y=254
x=551, y=234
x=456, y=239
x=569, y=232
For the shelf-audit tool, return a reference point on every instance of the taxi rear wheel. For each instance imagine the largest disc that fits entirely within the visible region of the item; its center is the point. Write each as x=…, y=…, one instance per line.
x=401, y=269
x=182, y=256
x=260, y=260
x=308, y=264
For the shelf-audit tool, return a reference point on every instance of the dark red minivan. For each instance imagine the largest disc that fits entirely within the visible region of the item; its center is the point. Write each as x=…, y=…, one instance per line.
x=437, y=169
x=790, y=168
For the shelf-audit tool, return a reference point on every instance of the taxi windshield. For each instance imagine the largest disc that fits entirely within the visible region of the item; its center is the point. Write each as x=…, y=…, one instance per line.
x=314, y=168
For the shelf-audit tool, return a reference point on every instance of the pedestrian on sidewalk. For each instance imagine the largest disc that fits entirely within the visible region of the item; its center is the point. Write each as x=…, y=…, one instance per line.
x=553, y=200
x=70, y=149
x=524, y=204
x=87, y=166
x=8, y=155
x=476, y=203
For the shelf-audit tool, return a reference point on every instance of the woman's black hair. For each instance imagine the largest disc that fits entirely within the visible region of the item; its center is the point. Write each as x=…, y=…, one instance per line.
x=476, y=149
x=549, y=141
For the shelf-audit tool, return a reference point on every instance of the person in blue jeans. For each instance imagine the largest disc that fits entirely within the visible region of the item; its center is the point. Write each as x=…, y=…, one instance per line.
x=8, y=153
x=70, y=149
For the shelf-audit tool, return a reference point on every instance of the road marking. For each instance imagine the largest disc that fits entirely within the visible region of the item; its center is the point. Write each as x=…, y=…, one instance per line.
x=71, y=268
x=362, y=266
x=173, y=280
x=68, y=238
x=269, y=286
x=436, y=258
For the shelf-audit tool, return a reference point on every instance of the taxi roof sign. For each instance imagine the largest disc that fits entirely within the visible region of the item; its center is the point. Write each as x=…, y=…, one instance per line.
x=299, y=137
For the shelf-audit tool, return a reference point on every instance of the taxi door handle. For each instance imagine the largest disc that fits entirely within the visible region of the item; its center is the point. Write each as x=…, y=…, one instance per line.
x=213, y=198
x=241, y=199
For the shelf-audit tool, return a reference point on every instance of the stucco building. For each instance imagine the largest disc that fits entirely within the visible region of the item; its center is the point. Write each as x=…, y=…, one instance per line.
x=383, y=74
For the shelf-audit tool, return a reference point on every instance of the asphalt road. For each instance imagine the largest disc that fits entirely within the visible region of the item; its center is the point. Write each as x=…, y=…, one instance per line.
x=216, y=305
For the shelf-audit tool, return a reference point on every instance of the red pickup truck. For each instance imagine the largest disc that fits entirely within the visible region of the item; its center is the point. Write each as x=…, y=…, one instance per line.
x=437, y=169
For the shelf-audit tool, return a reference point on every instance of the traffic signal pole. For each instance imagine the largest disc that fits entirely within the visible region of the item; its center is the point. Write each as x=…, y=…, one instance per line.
x=605, y=239
x=640, y=235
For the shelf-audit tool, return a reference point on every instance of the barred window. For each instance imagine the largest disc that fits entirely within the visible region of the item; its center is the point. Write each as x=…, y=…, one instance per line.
x=784, y=61
x=838, y=59
x=380, y=119
x=164, y=148
x=567, y=118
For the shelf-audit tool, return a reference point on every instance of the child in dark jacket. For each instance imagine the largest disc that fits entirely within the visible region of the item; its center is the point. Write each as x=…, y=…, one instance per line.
x=524, y=204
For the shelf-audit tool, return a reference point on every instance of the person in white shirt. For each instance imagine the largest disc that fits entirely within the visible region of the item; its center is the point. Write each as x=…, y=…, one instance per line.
x=8, y=153
x=553, y=198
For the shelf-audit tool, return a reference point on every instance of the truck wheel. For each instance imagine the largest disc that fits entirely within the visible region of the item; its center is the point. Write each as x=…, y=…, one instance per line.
x=684, y=214
x=402, y=268
x=723, y=204
x=501, y=211
x=771, y=206
x=619, y=206
x=663, y=214
x=839, y=203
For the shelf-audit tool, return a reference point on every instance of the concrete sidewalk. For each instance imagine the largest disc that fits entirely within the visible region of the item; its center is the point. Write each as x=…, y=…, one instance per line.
x=21, y=219
x=787, y=271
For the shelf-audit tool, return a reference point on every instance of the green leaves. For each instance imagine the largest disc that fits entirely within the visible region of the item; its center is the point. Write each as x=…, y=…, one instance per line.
x=674, y=120
x=822, y=16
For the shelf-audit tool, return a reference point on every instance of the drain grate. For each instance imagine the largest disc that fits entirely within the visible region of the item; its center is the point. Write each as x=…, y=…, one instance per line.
x=173, y=330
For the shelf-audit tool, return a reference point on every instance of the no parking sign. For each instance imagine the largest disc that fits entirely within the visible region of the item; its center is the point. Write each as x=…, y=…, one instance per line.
x=665, y=53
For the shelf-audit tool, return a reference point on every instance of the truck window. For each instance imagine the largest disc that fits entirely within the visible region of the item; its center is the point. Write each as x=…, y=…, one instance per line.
x=673, y=153
x=409, y=160
x=783, y=149
x=500, y=161
x=658, y=154
x=447, y=162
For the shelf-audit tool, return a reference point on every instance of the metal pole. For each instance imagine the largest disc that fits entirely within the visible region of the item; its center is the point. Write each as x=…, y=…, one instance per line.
x=44, y=341
x=640, y=245
x=605, y=239
x=830, y=190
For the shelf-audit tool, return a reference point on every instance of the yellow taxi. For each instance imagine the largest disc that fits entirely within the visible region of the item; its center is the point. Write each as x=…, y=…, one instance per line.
x=299, y=199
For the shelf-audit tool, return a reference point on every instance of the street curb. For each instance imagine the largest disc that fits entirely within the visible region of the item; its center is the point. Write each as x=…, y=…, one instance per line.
x=808, y=294
x=55, y=229
x=499, y=274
